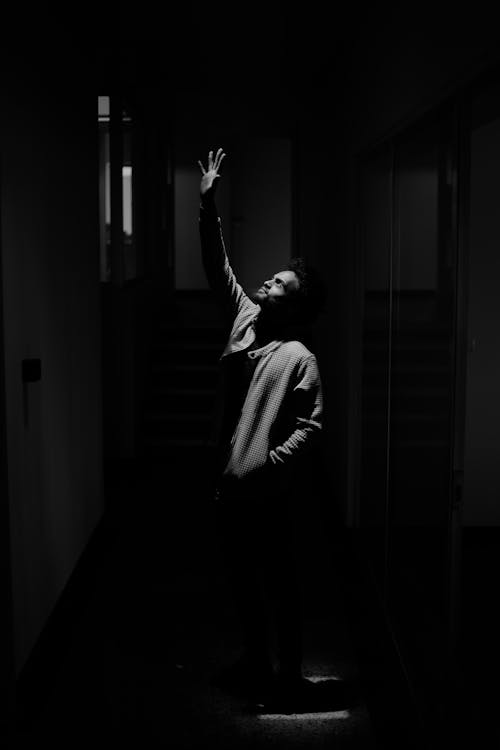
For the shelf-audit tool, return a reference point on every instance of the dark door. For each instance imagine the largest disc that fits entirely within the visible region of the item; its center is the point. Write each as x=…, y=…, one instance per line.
x=409, y=244
x=479, y=651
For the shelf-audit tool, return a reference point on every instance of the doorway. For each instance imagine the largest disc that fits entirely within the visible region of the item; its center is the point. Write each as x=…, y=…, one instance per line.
x=408, y=243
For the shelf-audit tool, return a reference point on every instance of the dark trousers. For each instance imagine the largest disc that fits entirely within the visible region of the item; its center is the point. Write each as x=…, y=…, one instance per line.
x=259, y=547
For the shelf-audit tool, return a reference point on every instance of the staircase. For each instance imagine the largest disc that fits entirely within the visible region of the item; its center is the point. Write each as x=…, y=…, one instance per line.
x=420, y=385
x=179, y=398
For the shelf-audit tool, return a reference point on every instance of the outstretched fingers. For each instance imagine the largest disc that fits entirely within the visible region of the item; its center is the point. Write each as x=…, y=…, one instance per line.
x=218, y=159
x=213, y=164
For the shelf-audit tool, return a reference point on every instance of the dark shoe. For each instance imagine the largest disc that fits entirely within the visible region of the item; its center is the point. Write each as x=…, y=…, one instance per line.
x=299, y=695
x=245, y=679
x=287, y=695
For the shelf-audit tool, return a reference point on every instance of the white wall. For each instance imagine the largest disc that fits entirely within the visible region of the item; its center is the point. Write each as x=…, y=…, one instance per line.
x=49, y=245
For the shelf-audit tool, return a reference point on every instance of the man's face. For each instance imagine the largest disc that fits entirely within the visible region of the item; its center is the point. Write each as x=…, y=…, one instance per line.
x=276, y=293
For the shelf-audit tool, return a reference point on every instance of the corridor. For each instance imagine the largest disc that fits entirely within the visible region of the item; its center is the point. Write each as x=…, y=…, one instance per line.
x=370, y=151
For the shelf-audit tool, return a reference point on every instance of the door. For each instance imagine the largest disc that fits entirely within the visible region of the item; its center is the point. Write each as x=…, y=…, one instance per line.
x=422, y=398
x=479, y=652
x=409, y=245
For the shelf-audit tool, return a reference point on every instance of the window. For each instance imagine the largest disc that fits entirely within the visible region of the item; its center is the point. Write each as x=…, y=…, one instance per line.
x=104, y=189
x=118, y=262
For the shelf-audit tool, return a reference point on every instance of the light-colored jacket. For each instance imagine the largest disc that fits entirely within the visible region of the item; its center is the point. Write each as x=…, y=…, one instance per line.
x=281, y=417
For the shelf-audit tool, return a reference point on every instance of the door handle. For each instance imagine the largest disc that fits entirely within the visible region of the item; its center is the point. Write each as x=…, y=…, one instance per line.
x=31, y=370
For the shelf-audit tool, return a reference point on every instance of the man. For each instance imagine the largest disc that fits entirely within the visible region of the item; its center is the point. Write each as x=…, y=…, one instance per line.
x=268, y=428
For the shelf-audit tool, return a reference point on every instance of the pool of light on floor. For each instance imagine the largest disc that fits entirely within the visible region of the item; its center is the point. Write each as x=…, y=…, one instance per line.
x=317, y=715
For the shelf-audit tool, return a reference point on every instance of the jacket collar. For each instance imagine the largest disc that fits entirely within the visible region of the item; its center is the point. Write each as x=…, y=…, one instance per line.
x=236, y=344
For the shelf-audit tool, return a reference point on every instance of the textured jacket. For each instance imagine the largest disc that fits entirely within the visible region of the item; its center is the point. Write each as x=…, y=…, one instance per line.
x=281, y=416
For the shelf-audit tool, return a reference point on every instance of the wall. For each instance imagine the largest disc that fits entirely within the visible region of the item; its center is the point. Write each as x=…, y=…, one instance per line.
x=49, y=244
x=403, y=69
x=482, y=436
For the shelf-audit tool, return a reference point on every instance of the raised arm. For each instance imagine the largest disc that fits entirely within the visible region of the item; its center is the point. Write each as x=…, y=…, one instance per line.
x=215, y=261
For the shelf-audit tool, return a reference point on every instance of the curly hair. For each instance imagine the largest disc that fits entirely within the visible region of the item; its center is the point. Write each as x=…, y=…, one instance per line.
x=312, y=293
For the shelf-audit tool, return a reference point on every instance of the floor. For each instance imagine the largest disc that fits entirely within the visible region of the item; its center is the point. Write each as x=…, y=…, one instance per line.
x=158, y=623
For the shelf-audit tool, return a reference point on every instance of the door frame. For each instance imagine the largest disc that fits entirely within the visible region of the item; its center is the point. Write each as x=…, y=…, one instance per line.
x=7, y=665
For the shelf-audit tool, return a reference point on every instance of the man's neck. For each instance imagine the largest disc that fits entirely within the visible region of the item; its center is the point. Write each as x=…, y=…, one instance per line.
x=263, y=334
x=267, y=330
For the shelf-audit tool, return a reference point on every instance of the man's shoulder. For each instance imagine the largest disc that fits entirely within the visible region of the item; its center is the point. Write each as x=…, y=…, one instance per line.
x=296, y=349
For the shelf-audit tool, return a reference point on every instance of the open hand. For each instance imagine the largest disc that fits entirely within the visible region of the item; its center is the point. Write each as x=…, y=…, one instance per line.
x=210, y=175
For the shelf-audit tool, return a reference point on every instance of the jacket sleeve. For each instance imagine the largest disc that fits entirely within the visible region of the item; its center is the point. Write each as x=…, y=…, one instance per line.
x=307, y=414
x=219, y=273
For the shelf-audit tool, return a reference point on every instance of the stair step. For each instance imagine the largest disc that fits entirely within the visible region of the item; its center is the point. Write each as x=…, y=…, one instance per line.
x=168, y=418
x=179, y=400
x=409, y=379
x=184, y=376
x=172, y=427
x=407, y=415
x=178, y=333
x=178, y=394
x=412, y=404
x=411, y=395
x=430, y=332
x=168, y=444
x=412, y=417
x=201, y=345
x=413, y=343
x=406, y=428
x=201, y=369
x=420, y=358
x=410, y=367
x=181, y=356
